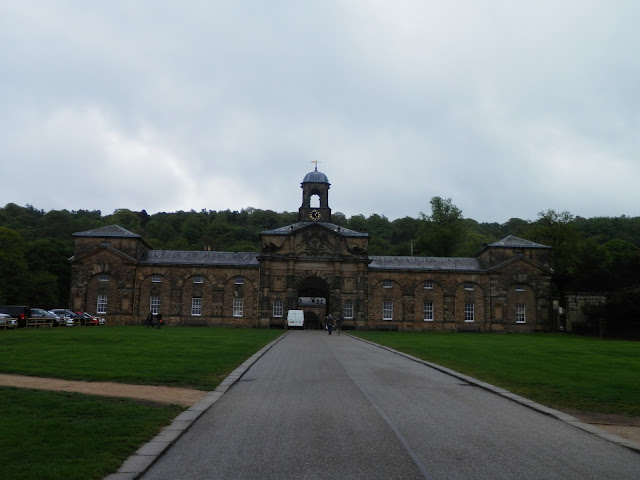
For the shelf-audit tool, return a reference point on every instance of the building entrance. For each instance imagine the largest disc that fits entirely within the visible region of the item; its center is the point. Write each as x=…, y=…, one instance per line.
x=313, y=298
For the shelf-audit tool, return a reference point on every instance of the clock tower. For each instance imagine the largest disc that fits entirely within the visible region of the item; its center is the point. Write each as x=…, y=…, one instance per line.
x=315, y=184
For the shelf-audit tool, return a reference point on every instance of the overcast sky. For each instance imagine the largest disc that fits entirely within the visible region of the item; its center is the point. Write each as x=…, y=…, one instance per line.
x=508, y=108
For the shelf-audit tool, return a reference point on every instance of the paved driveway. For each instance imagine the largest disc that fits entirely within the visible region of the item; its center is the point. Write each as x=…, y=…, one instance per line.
x=317, y=406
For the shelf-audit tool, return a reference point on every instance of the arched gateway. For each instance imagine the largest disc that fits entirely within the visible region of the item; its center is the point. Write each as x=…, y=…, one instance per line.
x=316, y=266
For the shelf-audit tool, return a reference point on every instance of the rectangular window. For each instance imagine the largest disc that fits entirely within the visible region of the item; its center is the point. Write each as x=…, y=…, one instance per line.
x=348, y=309
x=102, y=304
x=387, y=310
x=154, y=305
x=155, y=278
x=521, y=315
x=428, y=285
x=198, y=279
x=238, y=306
x=428, y=311
x=196, y=306
x=387, y=284
x=239, y=281
x=469, y=312
x=520, y=287
x=278, y=311
x=104, y=277
x=468, y=286
x=105, y=244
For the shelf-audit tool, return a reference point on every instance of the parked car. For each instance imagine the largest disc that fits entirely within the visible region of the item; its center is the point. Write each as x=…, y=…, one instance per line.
x=67, y=315
x=91, y=319
x=18, y=312
x=7, y=322
x=41, y=313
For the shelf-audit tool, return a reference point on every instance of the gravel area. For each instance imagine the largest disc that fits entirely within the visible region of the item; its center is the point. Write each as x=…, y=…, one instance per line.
x=177, y=396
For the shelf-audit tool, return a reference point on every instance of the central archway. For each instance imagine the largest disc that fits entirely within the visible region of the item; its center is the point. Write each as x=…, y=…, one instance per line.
x=313, y=299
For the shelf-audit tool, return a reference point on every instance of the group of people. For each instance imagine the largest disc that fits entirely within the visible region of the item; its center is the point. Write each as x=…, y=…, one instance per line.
x=154, y=320
x=330, y=324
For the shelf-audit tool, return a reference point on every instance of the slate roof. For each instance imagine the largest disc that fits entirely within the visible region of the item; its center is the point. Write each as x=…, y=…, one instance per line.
x=516, y=242
x=315, y=177
x=345, y=232
x=424, y=263
x=182, y=257
x=109, y=231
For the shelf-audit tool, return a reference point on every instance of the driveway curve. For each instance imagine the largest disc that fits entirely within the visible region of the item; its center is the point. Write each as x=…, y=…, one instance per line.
x=317, y=406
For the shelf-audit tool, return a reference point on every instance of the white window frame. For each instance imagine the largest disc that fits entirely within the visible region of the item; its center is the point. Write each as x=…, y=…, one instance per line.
x=521, y=313
x=428, y=285
x=520, y=287
x=101, y=306
x=156, y=278
x=387, y=310
x=278, y=308
x=469, y=312
x=196, y=306
x=387, y=283
x=154, y=304
x=427, y=310
x=103, y=277
x=468, y=286
x=239, y=281
x=348, y=309
x=238, y=306
x=198, y=279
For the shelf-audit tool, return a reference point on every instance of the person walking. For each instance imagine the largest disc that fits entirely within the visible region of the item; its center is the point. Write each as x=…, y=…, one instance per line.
x=329, y=323
x=159, y=320
x=149, y=321
x=339, y=323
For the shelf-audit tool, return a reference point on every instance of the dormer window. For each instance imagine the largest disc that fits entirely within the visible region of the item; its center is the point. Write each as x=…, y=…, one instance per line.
x=428, y=285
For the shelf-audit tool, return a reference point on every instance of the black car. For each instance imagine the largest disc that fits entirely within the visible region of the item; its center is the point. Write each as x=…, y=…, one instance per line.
x=19, y=312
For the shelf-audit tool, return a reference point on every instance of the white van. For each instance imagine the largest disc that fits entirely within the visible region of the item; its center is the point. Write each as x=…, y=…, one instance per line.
x=295, y=319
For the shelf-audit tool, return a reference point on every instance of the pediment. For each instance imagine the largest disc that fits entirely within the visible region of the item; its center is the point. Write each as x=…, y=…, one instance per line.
x=102, y=254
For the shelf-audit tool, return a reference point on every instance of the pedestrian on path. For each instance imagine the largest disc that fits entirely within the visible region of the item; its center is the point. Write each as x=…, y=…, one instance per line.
x=339, y=323
x=159, y=320
x=329, y=323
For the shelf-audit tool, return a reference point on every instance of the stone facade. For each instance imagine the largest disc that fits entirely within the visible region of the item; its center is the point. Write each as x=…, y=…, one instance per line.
x=320, y=268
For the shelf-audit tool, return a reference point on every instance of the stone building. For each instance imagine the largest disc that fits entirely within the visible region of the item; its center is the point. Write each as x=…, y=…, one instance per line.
x=316, y=266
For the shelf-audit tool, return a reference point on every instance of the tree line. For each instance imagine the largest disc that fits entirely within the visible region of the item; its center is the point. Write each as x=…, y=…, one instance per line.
x=600, y=254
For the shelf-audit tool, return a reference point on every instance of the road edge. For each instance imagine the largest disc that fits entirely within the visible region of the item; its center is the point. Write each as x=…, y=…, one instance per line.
x=138, y=463
x=564, y=417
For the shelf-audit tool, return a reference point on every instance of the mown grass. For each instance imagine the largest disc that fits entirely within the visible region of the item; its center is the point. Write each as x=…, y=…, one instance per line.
x=186, y=357
x=55, y=435
x=562, y=371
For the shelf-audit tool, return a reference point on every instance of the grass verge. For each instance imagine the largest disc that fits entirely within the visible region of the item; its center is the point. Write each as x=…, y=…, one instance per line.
x=57, y=435
x=51, y=435
x=562, y=371
x=181, y=357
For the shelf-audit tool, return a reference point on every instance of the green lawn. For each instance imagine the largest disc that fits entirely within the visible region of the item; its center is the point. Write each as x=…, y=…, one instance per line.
x=559, y=370
x=57, y=435
x=173, y=356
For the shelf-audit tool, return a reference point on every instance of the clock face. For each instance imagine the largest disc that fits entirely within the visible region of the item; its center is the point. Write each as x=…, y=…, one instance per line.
x=315, y=215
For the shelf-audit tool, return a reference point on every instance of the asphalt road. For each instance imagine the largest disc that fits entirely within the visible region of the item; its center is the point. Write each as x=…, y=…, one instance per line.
x=317, y=406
